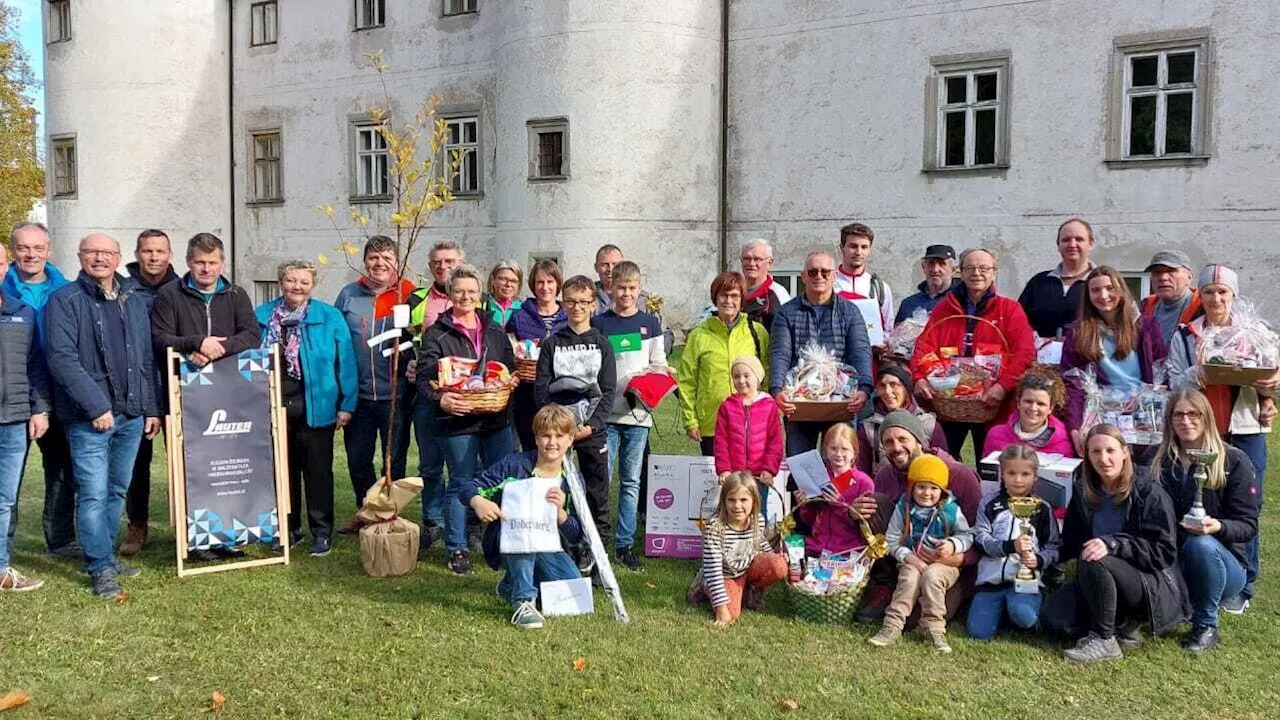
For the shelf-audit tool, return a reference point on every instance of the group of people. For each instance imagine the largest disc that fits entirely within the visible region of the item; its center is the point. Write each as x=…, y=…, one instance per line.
x=84, y=360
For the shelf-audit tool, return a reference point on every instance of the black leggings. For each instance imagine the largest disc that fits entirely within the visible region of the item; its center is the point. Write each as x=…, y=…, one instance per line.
x=1104, y=594
x=956, y=432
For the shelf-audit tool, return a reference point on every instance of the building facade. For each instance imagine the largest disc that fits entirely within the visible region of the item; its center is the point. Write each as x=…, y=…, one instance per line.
x=967, y=122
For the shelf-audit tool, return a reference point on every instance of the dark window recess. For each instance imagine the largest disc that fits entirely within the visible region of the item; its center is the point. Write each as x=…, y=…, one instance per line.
x=550, y=154
x=957, y=89
x=984, y=137
x=1181, y=67
x=1145, y=71
x=985, y=87
x=953, y=153
x=1142, y=125
x=1177, y=132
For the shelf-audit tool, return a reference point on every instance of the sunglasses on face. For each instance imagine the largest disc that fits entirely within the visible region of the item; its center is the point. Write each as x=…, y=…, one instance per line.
x=816, y=273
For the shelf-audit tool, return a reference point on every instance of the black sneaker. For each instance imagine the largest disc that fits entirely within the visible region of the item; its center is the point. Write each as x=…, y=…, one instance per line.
x=201, y=556
x=224, y=552
x=1202, y=638
x=1129, y=635
x=431, y=534
x=70, y=551
x=586, y=561
x=628, y=558
x=459, y=563
x=319, y=546
x=106, y=586
x=126, y=571
x=295, y=539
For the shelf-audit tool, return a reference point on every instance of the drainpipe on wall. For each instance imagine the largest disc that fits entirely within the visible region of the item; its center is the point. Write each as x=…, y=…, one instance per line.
x=724, y=135
x=231, y=137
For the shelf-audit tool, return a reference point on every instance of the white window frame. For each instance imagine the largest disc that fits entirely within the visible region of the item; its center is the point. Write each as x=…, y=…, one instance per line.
x=65, y=162
x=264, y=291
x=1144, y=281
x=544, y=126
x=366, y=186
x=59, y=24
x=267, y=169
x=370, y=14
x=449, y=8
x=968, y=66
x=1119, y=109
x=788, y=277
x=469, y=182
x=264, y=23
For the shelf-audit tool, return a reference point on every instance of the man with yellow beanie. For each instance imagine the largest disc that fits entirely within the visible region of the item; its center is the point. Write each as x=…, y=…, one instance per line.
x=925, y=517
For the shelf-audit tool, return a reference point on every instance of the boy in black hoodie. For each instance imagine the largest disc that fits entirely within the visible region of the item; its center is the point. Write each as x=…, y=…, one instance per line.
x=576, y=370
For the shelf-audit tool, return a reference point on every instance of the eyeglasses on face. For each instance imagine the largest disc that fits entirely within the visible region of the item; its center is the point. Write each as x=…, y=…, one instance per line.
x=815, y=273
x=578, y=304
x=755, y=260
x=979, y=269
x=1187, y=415
x=99, y=253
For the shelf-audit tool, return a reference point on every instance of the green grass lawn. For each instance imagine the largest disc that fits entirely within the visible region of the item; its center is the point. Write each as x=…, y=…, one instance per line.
x=320, y=639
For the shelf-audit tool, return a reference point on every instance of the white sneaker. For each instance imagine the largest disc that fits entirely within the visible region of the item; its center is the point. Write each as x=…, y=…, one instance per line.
x=527, y=616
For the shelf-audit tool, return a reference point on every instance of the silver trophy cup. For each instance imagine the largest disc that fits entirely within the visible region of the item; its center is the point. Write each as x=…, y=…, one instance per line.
x=1201, y=460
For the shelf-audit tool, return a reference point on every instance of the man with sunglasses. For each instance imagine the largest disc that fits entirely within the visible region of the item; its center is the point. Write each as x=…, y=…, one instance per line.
x=817, y=314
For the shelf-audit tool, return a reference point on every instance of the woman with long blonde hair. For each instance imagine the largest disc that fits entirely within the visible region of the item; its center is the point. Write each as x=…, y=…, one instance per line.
x=1212, y=552
x=1120, y=530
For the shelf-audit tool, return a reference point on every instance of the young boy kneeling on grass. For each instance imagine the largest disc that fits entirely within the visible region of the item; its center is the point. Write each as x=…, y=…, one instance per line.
x=925, y=518
x=553, y=429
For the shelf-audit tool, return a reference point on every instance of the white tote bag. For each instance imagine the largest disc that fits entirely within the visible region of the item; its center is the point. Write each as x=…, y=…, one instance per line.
x=528, y=520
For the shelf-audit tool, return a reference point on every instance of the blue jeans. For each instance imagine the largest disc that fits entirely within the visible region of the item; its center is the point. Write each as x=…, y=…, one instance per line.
x=13, y=450
x=525, y=571
x=431, y=449
x=989, y=606
x=626, y=453
x=360, y=436
x=102, y=463
x=1255, y=446
x=461, y=454
x=1212, y=573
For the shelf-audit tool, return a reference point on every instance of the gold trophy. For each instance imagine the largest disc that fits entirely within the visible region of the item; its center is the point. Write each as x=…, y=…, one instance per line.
x=1023, y=508
x=1201, y=460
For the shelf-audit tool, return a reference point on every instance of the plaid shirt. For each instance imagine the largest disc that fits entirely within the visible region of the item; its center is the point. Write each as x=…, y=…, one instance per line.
x=841, y=329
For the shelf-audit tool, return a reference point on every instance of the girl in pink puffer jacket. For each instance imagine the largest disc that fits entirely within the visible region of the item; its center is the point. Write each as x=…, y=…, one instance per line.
x=748, y=427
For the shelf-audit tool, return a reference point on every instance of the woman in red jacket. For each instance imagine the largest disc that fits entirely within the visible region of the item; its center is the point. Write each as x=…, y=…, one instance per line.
x=952, y=325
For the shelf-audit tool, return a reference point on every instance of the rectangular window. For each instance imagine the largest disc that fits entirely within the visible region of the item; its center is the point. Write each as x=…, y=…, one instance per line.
x=371, y=162
x=265, y=291
x=462, y=136
x=549, y=149
x=59, y=20
x=266, y=167
x=370, y=14
x=64, y=167
x=1159, y=107
x=263, y=29
x=967, y=104
x=458, y=7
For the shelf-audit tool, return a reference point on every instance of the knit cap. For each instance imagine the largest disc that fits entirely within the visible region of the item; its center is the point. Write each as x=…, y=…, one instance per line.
x=927, y=468
x=752, y=362
x=1220, y=275
x=906, y=420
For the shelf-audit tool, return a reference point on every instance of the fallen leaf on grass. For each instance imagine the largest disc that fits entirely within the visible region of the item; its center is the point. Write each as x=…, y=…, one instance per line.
x=152, y=678
x=788, y=705
x=15, y=698
x=580, y=664
x=651, y=586
x=216, y=702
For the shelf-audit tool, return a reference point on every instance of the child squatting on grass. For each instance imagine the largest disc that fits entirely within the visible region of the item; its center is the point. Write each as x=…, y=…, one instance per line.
x=749, y=428
x=834, y=525
x=736, y=557
x=553, y=429
x=925, y=515
x=1005, y=549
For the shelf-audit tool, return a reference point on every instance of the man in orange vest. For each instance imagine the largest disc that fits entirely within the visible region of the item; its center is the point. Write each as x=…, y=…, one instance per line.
x=1173, y=301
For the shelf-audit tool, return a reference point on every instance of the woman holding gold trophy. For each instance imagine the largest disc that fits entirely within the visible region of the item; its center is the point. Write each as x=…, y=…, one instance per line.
x=1211, y=485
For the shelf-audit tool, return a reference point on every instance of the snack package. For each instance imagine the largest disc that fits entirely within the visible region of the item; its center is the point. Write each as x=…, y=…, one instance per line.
x=1247, y=343
x=455, y=372
x=955, y=376
x=496, y=374
x=525, y=349
x=1138, y=415
x=820, y=377
x=902, y=341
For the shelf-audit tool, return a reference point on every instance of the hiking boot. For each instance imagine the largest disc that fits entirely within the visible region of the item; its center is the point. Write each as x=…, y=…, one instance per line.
x=628, y=558
x=874, y=603
x=939, y=640
x=431, y=534
x=70, y=551
x=1202, y=638
x=753, y=599
x=460, y=565
x=13, y=581
x=352, y=527
x=200, y=556
x=106, y=587
x=319, y=546
x=887, y=636
x=1092, y=649
x=134, y=539
x=527, y=616
x=1235, y=605
x=125, y=571
x=1129, y=635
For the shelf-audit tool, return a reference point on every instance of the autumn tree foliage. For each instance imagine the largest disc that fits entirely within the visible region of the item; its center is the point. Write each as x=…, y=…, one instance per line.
x=21, y=177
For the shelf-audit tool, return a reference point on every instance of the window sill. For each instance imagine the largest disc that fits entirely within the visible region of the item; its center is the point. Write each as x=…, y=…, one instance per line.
x=65, y=196
x=548, y=178
x=58, y=41
x=369, y=199
x=264, y=203
x=469, y=195
x=369, y=27
x=255, y=46
x=460, y=14
x=1176, y=161
x=968, y=171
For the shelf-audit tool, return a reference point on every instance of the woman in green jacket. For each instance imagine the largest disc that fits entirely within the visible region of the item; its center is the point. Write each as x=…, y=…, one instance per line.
x=704, y=366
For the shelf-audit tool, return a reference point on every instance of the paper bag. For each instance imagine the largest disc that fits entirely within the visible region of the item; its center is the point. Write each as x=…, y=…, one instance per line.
x=389, y=548
x=528, y=520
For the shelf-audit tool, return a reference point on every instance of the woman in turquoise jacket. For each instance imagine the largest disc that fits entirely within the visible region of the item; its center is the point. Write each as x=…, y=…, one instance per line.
x=318, y=388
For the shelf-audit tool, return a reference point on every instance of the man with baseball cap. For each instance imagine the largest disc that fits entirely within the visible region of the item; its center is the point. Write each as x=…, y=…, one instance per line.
x=1173, y=302
x=939, y=266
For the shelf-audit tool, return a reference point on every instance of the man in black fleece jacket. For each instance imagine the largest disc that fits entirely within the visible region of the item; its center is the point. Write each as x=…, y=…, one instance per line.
x=576, y=369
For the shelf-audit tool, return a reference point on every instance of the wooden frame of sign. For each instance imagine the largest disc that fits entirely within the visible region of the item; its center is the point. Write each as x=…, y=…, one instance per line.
x=177, y=469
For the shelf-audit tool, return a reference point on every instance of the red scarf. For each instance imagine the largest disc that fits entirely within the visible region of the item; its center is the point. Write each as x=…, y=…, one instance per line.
x=760, y=291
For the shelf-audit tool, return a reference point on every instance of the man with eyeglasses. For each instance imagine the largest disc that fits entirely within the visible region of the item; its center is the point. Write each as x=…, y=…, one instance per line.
x=33, y=279
x=974, y=319
x=764, y=296
x=105, y=387
x=818, y=315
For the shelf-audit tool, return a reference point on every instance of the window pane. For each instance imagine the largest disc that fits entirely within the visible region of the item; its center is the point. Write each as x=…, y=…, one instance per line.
x=455, y=133
x=1177, y=131
x=468, y=175
x=1142, y=125
x=469, y=132
x=366, y=139
x=985, y=86
x=1144, y=71
x=984, y=137
x=957, y=89
x=1182, y=67
x=953, y=140
x=550, y=154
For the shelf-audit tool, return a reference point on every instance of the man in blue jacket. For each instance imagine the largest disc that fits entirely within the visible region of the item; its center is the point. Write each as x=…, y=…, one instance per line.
x=939, y=267
x=32, y=279
x=105, y=385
